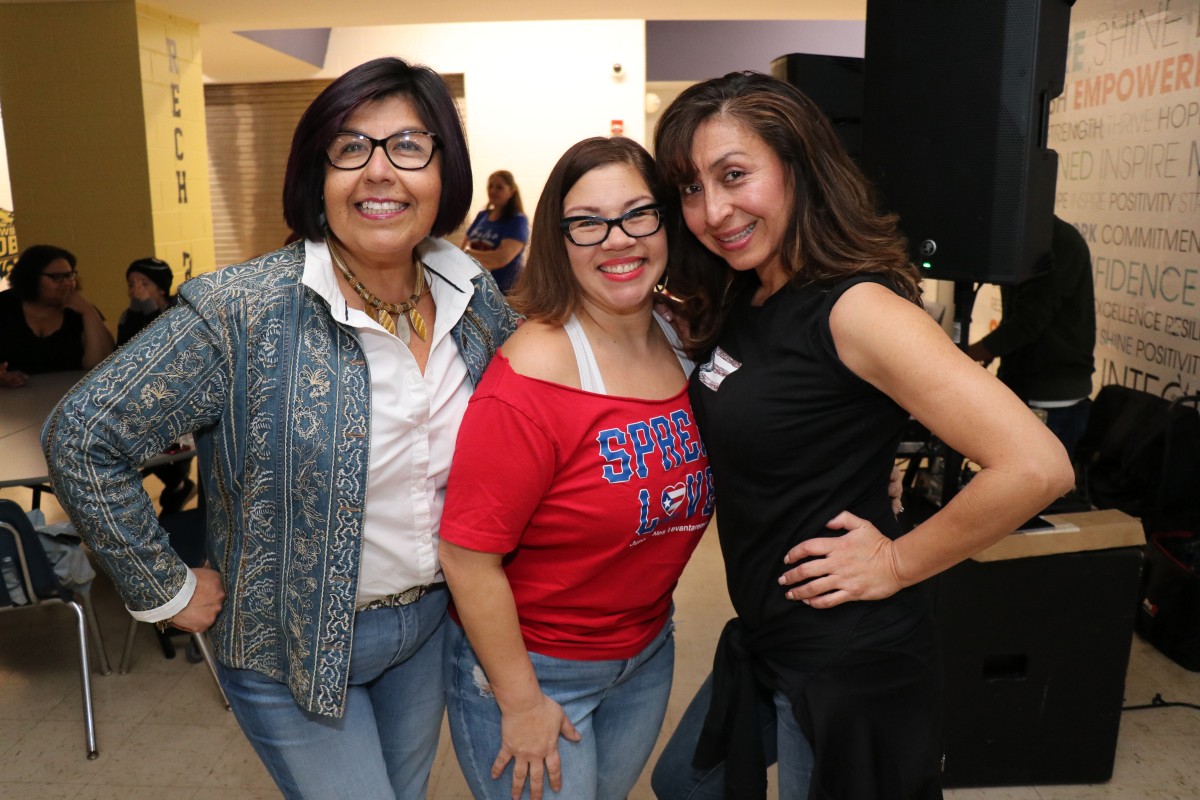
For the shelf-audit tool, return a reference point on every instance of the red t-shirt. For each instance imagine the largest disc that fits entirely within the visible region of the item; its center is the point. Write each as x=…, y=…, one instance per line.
x=597, y=502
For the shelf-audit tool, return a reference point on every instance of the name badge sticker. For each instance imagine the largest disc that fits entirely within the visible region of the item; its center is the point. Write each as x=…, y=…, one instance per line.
x=719, y=366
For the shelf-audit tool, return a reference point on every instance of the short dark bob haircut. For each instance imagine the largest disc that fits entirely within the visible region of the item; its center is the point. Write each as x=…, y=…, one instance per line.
x=304, y=181
x=27, y=272
x=546, y=289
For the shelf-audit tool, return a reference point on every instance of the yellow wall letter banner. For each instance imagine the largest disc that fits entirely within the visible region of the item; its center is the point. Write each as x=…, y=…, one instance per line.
x=1127, y=132
x=177, y=142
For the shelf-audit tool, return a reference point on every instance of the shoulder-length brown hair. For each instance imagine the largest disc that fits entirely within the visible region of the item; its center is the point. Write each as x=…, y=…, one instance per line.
x=546, y=289
x=304, y=179
x=835, y=230
x=26, y=275
x=514, y=205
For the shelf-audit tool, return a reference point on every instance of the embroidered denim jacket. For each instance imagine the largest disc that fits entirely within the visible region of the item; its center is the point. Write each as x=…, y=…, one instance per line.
x=277, y=394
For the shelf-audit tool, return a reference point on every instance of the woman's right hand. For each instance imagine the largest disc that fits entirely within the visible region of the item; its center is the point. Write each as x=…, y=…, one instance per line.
x=201, y=611
x=529, y=738
x=77, y=302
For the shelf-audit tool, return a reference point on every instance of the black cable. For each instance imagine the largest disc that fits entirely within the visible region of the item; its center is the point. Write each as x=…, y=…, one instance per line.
x=1158, y=702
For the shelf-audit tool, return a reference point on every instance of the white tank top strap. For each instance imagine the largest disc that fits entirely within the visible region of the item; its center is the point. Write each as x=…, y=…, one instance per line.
x=585, y=359
x=676, y=343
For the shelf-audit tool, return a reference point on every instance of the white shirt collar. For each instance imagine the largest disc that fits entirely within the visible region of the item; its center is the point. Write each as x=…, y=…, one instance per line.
x=440, y=257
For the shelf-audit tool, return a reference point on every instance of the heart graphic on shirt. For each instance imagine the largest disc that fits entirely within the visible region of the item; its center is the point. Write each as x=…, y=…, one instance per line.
x=672, y=498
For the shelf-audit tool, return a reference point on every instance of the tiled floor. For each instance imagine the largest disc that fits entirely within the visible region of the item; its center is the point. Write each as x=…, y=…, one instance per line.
x=164, y=735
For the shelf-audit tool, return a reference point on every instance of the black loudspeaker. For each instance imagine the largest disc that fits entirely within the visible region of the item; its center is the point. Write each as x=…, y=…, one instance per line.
x=1035, y=652
x=956, y=108
x=835, y=84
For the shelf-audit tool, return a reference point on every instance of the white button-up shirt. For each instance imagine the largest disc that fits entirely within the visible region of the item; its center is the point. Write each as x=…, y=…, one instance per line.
x=414, y=423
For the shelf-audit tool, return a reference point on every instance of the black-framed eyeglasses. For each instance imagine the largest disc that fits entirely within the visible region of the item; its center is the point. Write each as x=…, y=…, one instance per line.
x=59, y=277
x=406, y=150
x=636, y=223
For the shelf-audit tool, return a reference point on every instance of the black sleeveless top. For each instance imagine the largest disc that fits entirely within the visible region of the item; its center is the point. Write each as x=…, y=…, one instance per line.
x=27, y=352
x=794, y=439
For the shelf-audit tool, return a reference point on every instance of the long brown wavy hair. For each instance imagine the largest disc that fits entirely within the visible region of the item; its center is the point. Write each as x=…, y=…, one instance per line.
x=836, y=229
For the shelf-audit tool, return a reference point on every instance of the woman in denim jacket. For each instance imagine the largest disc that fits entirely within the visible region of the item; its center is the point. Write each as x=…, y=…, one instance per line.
x=324, y=383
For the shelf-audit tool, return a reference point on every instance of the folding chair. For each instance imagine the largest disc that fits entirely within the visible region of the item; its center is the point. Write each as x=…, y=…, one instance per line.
x=39, y=585
x=187, y=533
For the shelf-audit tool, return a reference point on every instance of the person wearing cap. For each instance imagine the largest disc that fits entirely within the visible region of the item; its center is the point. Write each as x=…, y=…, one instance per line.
x=148, y=281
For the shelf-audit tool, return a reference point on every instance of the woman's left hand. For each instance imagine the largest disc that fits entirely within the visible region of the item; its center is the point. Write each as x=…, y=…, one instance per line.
x=11, y=378
x=858, y=565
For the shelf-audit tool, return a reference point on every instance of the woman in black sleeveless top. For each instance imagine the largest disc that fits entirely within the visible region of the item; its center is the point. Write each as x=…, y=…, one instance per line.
x=814, y=351
x=46, y=324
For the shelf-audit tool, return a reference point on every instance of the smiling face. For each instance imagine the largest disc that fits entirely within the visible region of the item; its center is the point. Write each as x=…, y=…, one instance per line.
x=379, y=213
x=619, y=274
x=739, y=205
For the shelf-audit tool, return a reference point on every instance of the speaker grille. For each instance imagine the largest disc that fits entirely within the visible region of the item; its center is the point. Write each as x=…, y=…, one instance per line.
x=954, y=98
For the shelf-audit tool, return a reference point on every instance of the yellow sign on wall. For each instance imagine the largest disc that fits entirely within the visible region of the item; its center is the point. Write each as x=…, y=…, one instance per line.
x=8, y=243
x=177, y=143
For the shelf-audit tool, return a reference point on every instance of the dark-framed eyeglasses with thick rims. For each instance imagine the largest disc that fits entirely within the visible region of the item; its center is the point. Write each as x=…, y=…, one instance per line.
x=59, y=277
x=405, y=150
x=636, y=223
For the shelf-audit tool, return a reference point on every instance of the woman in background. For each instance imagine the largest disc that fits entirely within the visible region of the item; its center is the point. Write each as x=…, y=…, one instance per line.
x=815, y=351
x=498, y=235
x=578, y=493
x=46, y=324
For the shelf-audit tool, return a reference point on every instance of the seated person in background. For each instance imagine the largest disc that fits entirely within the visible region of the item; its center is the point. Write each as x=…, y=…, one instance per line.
x=46, y=324
x=148, y=281
x=1047, y=335
x=497, y=237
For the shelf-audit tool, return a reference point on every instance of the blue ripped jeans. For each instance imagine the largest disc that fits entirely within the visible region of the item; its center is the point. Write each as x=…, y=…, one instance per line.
x=616, y=706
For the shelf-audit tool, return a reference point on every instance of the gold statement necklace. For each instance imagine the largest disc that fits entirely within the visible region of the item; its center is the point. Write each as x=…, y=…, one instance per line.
x=384, y=311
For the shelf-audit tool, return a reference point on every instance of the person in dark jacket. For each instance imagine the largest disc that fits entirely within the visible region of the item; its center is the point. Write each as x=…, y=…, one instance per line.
x=148, y=281
x=1047, y=335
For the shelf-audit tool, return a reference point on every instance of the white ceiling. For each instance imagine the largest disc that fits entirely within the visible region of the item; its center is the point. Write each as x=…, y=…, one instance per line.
x=225, y=54
x=279, y=14
x=229, y=57
x=270, y=14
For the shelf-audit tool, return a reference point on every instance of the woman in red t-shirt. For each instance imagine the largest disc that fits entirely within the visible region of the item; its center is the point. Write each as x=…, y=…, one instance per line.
x=582, y=490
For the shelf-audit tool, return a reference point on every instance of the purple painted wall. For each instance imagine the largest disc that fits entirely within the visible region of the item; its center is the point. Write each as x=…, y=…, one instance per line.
x=306, y=44
x=696, y=50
